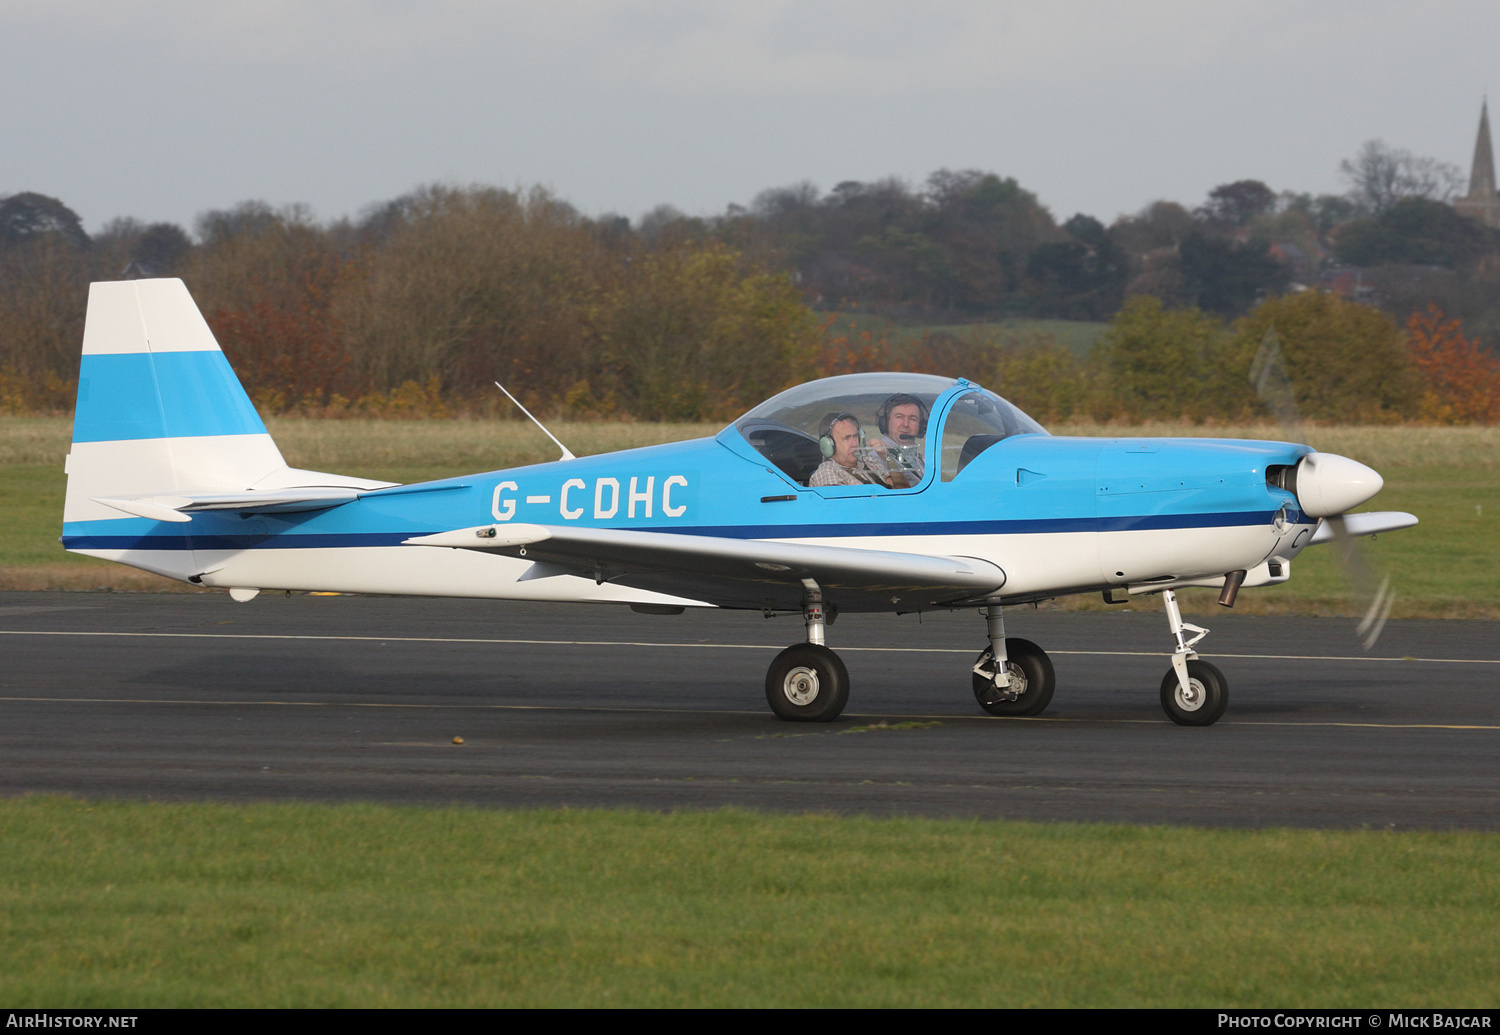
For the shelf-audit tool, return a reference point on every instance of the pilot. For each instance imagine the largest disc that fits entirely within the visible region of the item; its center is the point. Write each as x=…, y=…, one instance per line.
x=903, y=427
x=840, y=438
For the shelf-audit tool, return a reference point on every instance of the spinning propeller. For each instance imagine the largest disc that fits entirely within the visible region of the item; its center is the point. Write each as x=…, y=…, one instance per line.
x=1326, y=486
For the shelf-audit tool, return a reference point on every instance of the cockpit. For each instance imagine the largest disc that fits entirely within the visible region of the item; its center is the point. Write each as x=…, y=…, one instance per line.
x=880, y=429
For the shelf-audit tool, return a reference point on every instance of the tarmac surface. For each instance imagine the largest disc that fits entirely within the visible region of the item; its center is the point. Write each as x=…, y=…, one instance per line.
x=339, y=698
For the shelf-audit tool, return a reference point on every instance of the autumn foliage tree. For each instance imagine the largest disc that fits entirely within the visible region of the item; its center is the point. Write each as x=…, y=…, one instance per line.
x=267, y=283
x=1161, y=363
x=1460, y=381
x=690, y=333
x=1347, y=362
x=479, y=284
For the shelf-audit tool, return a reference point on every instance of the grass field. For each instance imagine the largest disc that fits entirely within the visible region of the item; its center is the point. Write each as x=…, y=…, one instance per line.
x=1448, y=477
x=1077, y=335
x=139, y=905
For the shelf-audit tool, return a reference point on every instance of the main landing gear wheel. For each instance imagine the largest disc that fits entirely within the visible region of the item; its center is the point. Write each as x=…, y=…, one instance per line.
x=807, y=683
x=1032, y=680
x=1205, y=699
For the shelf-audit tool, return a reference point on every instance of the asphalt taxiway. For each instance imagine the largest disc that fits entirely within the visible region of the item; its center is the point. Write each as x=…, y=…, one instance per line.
x=360, y=698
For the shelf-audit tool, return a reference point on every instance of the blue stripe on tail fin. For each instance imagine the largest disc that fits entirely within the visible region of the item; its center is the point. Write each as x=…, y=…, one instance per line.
x=135, y=395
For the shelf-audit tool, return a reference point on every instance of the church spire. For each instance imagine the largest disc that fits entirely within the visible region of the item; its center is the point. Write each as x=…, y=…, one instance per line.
x=1482, y=179
x=1482, y=203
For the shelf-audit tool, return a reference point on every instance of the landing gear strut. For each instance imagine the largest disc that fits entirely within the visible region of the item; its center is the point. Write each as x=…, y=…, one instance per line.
x=1012, y=676
x=808, y=682
x=1193, y=692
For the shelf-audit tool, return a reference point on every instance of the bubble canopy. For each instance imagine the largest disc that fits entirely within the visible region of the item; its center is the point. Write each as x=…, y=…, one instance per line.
x=786, y=429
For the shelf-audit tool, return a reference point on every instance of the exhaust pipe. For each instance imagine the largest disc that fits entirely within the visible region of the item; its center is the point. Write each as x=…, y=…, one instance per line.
x=1232, y=582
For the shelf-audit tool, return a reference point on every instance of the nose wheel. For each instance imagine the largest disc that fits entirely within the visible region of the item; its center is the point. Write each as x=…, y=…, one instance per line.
x=1199, y=701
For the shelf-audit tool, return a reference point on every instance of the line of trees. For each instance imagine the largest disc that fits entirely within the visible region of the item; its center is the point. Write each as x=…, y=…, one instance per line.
x=1348, y=363
x=970, y=245
x=416, y=307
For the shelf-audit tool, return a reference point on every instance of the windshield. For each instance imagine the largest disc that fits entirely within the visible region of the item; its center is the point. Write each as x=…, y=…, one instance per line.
x=976, y=421
x=868, y=428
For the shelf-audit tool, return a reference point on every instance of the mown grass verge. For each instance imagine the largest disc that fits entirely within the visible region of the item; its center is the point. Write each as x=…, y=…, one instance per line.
x=139, y=905
x=1080, y=336
x=1448, y=477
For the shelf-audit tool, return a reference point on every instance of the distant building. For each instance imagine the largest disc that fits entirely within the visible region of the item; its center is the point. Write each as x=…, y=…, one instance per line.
x=1482, y=202
x=1347, y=282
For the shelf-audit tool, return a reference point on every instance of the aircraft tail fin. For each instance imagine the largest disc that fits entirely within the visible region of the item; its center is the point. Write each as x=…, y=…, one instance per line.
x=161, y=413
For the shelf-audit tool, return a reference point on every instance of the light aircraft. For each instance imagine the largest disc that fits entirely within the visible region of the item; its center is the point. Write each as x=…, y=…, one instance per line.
x=171, y=470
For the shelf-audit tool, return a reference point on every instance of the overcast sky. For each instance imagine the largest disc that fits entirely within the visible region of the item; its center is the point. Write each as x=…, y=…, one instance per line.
x=161, y=110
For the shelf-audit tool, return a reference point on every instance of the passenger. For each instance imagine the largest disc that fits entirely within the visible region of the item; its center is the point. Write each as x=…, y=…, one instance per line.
x=839, y=436
x=902, y=445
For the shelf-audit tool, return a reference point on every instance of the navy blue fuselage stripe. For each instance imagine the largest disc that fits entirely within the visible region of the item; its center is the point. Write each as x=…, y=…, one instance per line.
x=1143, y=522
x=286, y=541
x=199, y=392
x=295, y=541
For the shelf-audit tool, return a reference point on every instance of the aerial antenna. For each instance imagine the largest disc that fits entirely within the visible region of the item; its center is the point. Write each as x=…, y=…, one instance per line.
x=567, y=454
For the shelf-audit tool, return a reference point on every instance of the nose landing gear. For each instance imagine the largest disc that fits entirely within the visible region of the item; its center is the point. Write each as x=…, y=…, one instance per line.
x=1193, y=692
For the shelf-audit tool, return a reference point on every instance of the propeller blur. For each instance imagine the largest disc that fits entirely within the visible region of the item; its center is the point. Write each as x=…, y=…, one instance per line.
x=1328, y=486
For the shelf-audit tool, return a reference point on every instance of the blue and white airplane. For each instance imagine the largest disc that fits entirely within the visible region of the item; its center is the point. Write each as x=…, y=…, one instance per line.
x=862, y=493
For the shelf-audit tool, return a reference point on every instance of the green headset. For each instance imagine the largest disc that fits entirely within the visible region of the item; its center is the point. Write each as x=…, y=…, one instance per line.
x=825, y=433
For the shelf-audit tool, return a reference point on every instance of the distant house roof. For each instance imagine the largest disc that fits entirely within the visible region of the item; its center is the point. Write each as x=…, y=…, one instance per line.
x=1286, y=251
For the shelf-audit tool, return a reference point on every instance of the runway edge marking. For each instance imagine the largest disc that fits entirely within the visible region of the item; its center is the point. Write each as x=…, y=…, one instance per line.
x=700, y=646
x=1054, y=719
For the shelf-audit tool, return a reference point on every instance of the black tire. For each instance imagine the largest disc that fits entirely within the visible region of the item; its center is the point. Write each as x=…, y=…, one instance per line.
x=1210, y=695
x=807, y=683
x=1031, y=664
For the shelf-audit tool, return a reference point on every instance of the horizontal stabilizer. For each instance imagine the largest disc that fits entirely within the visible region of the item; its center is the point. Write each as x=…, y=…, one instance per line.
x=181, y=506
x=147, y=507
x=1365, y=524
x=628, y=556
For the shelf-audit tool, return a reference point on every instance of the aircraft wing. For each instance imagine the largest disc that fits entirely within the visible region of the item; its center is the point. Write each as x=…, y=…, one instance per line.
x=731, y=572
